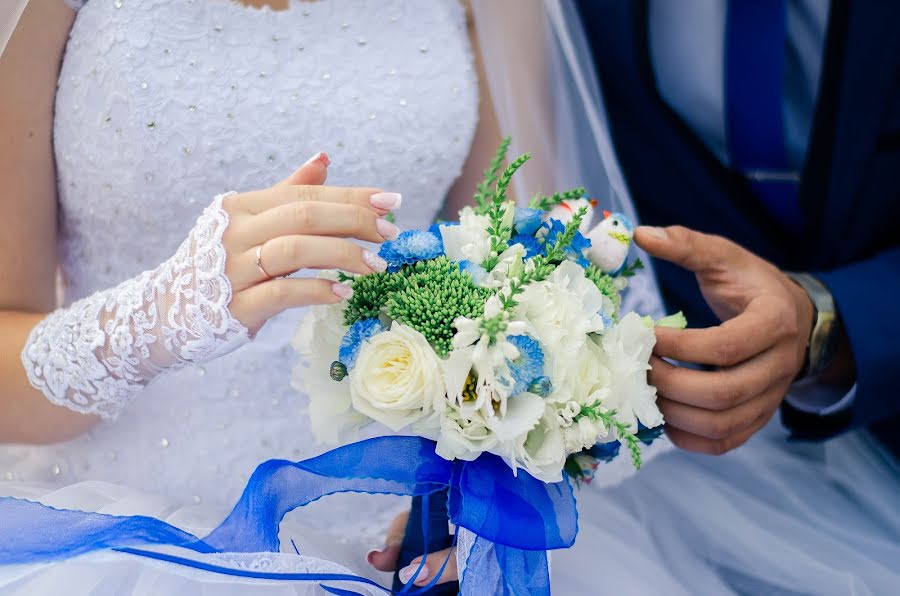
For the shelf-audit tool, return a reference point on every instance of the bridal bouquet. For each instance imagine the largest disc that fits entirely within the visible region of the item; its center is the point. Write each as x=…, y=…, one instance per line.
x=499, y=333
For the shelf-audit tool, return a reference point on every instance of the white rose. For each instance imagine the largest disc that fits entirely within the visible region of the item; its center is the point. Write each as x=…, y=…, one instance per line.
x=397, y=377
x=468, y=241
x=317, y=341
x=627, y=346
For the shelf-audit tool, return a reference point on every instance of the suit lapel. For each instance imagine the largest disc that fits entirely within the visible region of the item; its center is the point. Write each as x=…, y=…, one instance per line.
x=860, y=49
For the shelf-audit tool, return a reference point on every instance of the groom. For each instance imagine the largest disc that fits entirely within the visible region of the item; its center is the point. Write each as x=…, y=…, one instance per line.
x=771, y=130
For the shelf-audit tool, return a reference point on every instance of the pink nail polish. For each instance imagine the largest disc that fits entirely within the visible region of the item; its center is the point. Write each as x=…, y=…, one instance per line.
x=388, y=230
x=321, y=157
x=407, y=572
x=386, y=200
x=342, y=291
x=374, y=262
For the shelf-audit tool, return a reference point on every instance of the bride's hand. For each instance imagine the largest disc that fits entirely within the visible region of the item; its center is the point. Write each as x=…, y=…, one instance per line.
x=300, y=224
x=386, y=558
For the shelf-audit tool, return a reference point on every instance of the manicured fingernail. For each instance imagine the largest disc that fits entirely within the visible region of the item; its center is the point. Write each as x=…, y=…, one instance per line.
x=321, y=157
x=386, y=200
x=375, y=262
x=654, y=231
x=370, y=556
x=342, y=291
x=407, y=572
x=388, y=230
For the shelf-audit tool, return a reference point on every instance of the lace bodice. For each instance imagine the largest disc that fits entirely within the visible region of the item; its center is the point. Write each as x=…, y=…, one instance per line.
x=163, y=104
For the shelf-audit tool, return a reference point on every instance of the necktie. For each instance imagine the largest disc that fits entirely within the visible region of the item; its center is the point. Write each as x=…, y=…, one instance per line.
x=755, y=37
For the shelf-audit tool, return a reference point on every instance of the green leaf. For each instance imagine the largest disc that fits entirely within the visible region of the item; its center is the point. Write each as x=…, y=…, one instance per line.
x=676, y=321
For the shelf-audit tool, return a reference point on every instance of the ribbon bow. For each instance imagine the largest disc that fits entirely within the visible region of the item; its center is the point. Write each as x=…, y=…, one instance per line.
x=515, y=519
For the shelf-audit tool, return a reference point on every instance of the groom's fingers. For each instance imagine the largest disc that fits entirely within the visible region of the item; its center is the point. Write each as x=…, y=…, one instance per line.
x=732, y=342
x=718, y=425
x=432, y=565
x=722, y=389
x=699, y=444
x=692, y=250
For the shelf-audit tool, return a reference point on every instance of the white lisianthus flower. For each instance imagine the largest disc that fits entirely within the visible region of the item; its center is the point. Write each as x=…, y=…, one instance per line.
x=463, y=437
x=542, y=452
x=561, y=311
x=627, y=346
x=511, y=264
x=468, y=241
x=397, y=377
x=317, y=341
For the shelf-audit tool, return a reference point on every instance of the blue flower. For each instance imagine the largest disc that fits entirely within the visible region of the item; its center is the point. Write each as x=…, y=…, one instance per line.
x=531, y=244
x=359, y=332
x=529, y=365
x=527, y=221
x=648, y=435
x=605, y=451
x=411, y=246
x=575, y=251
x=607, y=320
x=476, y=272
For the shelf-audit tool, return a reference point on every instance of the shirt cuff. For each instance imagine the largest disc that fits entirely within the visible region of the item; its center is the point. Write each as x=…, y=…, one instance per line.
x=819, y=398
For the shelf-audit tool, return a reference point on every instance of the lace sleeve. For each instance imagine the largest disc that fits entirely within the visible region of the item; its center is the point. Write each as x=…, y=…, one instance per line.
x=96, y=355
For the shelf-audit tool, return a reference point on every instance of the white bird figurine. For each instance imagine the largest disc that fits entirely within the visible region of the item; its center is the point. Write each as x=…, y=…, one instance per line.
x=566, y=210
x=610, y=240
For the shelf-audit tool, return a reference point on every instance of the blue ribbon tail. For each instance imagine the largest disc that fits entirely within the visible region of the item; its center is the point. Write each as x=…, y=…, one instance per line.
x=517, y=518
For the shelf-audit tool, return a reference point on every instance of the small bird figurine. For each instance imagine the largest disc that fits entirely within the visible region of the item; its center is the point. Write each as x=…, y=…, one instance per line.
x=566, y=210
x=610, y=240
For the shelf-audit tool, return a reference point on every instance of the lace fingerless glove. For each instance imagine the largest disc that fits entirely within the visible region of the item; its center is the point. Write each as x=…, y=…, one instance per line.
x=96, y=355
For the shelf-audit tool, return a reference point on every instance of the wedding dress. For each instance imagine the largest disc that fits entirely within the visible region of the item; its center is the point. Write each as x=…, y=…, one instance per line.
x=163, y=104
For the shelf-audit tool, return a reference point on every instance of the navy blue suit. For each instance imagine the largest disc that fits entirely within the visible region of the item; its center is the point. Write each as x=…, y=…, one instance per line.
x=849, y=192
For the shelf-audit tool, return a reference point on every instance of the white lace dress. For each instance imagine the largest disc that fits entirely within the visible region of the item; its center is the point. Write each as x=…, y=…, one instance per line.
x=162, y=105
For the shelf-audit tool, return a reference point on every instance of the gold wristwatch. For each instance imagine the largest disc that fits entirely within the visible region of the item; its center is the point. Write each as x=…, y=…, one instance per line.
x=823, y=337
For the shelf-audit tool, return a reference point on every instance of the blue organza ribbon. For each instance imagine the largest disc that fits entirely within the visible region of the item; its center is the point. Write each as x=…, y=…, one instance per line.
x=516, y=518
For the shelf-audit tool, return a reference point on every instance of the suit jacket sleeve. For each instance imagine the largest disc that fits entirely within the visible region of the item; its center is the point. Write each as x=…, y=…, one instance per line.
x=867, y=296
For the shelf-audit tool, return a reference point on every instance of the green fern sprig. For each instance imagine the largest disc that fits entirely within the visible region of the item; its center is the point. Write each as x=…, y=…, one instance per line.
x=498, y=231
x=623, y=431
x=484, y=192
x=632, y=268
x=604, y=282
x=545, y=203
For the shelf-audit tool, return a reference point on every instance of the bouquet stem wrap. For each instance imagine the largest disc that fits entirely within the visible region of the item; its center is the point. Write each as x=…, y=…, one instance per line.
x=516, y=518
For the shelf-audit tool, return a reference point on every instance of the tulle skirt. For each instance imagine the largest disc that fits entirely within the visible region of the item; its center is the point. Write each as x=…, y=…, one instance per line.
x=772, y=517
x=114, y=573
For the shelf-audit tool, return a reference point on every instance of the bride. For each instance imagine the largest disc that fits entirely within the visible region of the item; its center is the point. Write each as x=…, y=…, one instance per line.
x=152, y=376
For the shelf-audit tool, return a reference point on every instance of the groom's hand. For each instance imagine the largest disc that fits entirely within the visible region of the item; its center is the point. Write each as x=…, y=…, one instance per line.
x=758, y=350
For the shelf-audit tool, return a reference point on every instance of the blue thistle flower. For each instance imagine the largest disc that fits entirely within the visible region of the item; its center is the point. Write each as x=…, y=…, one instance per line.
x=605, y=451
x=532, y=245
x=358, y=332
x=476, y=272
x=541, y=386
x=648, y=435
x=576, y=250
x=411, y=246
x=529, y=365
x=527, y=221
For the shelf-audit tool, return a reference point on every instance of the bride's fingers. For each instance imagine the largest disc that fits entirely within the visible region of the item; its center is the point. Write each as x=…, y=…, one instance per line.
x=386, y=558
x=432, y=565
x=314, y=171
x=255, y=305
x=258, y=201
x=317, y=219
x=286, y=254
